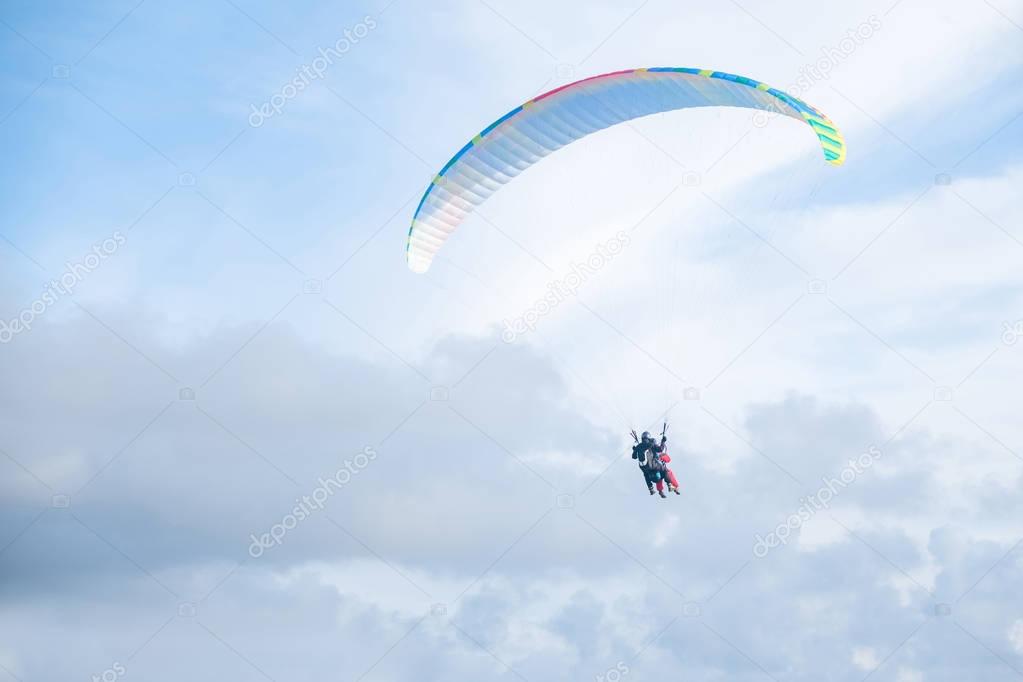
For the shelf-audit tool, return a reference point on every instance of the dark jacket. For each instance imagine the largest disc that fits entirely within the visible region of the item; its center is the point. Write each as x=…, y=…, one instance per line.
x=647, y=454
x=639, y=453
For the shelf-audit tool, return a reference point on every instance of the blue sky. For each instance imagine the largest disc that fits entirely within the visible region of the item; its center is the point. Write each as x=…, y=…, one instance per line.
x=246, y=325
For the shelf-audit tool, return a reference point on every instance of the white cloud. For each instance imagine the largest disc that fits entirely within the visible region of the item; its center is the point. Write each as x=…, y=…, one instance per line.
x=1016, y=636
x=665, y=530
x=865, y=658
x=580, y=465
x=909, y=675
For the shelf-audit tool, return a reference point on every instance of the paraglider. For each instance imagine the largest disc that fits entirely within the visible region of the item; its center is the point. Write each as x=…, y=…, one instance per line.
x=546, y=123
x=653, y=460
x=554, y=119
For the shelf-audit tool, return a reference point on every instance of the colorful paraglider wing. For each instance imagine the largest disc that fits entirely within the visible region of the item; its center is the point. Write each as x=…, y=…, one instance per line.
x=542, y=125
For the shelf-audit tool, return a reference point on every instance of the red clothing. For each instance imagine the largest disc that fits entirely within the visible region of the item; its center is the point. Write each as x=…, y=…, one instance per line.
x=667, y=472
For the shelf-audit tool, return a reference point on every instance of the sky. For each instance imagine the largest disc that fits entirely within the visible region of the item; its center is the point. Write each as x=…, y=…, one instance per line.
x=240, y=439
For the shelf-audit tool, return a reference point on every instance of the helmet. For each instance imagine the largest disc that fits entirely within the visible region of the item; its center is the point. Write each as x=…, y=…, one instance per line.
x=646, y=436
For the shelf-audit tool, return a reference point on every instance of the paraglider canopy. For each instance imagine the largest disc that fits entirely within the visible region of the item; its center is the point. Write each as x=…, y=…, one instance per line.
x=546, y=123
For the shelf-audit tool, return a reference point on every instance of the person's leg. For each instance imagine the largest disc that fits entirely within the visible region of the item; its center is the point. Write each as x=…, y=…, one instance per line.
x=671, y=478
x=647, y=478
